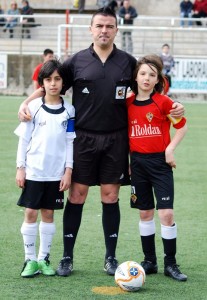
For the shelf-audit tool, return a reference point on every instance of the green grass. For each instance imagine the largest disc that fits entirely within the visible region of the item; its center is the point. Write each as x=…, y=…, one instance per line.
x=190, y=215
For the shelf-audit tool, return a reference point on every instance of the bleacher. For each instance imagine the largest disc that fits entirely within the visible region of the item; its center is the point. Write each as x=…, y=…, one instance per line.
x=149, y=33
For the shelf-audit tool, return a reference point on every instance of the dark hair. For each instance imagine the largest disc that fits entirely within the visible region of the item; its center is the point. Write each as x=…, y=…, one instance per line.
x=48, y=51
x=156, y=62
x=165, y=45
x=48, y=68
x=25, y=1
x=104, y=11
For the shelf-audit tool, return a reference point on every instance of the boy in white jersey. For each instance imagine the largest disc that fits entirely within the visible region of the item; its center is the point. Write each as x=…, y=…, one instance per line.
x=44, y=166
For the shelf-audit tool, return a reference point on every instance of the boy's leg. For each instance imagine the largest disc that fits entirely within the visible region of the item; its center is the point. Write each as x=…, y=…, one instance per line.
x=46, y=232
x=147, y=233
x=169, y=238
x=29, y=234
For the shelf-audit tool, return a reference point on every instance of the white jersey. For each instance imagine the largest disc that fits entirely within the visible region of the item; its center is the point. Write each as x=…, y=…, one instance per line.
x=49, y=137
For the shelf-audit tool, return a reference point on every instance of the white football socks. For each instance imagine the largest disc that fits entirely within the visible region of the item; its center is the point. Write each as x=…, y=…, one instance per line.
x=29, y=234
x=46, y=232
x=169, y=232
x=147, y=228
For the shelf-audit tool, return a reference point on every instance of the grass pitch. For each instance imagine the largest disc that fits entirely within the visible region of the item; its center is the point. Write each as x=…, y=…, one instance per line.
x=89, y=281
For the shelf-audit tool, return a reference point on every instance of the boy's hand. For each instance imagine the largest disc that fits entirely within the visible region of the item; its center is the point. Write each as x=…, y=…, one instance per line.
x=169, y=157
x=20, y=177
x=177, y=110
x=65, y=182
x=24, y=113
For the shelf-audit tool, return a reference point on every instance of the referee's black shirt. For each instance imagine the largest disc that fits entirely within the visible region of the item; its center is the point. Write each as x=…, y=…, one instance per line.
x=95, y=87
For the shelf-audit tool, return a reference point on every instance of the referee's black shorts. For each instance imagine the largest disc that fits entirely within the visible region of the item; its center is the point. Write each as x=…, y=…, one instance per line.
x=101, y=158
x=151, y=175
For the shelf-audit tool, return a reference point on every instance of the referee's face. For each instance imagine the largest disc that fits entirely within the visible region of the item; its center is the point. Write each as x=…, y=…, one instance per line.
x=103, y=30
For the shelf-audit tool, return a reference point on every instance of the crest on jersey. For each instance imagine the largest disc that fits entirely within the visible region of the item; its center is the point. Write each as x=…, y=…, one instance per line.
x=64, y=124
x=149, y=116
x=133, y=198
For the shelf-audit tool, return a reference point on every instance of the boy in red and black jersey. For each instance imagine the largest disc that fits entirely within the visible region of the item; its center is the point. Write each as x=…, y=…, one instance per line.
x=152, y=160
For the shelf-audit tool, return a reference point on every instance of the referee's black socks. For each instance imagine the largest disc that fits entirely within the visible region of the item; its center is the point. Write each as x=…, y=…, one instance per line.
x=111, y=221
x=71, y=222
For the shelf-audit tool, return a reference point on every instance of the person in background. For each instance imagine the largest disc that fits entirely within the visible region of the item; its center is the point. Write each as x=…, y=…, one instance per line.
x=48, y=54
x=186, y=7
x=168, y=64
x=99, y=76
x=26, y=22
x=2, y=20
x=81, y=6
x=128, y=13
x=102, y=3
x=11, y=21
x=115, y=5
x=44, y=166
x=199, y=10
x=152, y=159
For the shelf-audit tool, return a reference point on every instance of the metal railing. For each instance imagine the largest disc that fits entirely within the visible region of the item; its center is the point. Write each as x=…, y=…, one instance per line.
x=146, y=39
x=148, y=32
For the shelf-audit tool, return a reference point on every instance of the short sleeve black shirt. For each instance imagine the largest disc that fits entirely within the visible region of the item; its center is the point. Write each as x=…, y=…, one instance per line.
x=95, y=86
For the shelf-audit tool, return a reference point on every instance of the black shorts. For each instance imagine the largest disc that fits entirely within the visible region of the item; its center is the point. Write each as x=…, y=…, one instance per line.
x=151, y=175
x=101, y=158
x=37, y=195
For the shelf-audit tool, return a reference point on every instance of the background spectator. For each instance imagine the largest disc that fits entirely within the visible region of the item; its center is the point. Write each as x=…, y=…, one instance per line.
x=127, y=13
x=102, y=3
x=168, y=63
x=186, y=7
x=115, y=5
x=81, y=6
x=11, y=22
x=2, y=20
x=200, y=10
x=48, y=54
x=27, y=22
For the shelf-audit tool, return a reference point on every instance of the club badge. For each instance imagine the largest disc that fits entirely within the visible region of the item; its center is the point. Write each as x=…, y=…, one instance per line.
x=120, y=92
x=149, y=116
x=133, y=198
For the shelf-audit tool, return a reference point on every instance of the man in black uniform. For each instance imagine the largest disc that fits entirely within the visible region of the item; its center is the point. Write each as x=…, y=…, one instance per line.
x=100, y=76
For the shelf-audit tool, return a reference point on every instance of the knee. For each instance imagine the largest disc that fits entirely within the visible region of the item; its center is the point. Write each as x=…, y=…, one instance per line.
x=166, y=217
x=30, y=215
x=109, y=198
x=110, y=194
x=47, y=215
x=78, y=193
x=146, y=215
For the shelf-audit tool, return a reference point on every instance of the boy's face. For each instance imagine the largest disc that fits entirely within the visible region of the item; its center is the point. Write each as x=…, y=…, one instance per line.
x=53, y=84
x=49, y=56
x=165, y=49
x=147, y=78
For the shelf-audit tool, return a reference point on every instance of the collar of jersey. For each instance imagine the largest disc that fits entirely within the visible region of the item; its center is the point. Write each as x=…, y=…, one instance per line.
x=53, y=111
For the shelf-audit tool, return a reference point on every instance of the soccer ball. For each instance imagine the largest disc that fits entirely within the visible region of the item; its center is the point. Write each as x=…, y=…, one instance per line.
x=130, y=276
